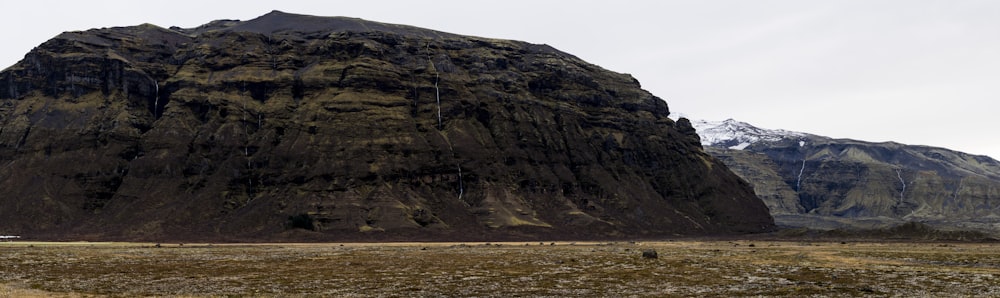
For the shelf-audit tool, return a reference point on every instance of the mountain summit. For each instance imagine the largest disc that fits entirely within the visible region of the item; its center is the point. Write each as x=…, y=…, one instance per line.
x=738, y=135
x=278, y=22
x=293, y=127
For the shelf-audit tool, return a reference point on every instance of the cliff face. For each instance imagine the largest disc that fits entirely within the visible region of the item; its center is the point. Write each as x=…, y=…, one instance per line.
x=301, y=127
x=814, y=181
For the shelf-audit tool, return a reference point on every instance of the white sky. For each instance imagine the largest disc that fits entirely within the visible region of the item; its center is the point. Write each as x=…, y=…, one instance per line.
x=912, y=71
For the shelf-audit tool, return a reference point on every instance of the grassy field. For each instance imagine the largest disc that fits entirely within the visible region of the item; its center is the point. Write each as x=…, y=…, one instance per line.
x=683, y=268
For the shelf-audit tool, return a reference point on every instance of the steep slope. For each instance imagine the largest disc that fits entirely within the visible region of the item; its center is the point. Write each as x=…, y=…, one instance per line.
x=815, y=181
x=318, y=128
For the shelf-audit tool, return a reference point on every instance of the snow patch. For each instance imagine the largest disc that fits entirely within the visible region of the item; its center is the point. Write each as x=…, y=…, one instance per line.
x=741, y=146
x=742, y=134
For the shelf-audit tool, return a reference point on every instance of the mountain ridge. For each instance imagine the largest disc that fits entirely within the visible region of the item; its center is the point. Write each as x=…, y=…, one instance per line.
x=724, y=133
x=815, y=181
x=278, y=21
x=255, y=131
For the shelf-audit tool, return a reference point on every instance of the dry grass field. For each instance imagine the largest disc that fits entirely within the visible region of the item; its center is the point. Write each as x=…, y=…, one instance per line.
x=683, y=268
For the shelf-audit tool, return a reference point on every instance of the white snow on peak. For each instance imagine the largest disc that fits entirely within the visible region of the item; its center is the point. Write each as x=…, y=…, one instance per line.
x=741, y=146
x=738, y=135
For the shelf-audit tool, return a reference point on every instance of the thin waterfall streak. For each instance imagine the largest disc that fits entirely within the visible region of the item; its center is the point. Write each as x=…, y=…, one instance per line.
x=461, y=185
x=156, y=100
x=798, y=183
x=957, y=190
x=903, y=182
x=437, y=93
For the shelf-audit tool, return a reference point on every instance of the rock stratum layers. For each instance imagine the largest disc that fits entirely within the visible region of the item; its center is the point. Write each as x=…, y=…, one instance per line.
x=819, y=182
x=293, y=127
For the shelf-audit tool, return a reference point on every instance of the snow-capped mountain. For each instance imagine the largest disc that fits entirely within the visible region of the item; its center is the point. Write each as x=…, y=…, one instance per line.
x=820, y=182
x=738, y=135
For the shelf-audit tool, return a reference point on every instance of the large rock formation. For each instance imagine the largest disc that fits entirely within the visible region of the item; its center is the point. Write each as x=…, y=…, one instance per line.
x=819, y=182
x=320, y=128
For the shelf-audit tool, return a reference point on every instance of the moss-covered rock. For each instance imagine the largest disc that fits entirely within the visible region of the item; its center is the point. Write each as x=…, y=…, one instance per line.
x=312, y=128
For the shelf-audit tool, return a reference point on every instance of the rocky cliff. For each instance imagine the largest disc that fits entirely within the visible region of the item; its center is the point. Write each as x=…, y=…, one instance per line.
x=293, y=127
x=814, y=181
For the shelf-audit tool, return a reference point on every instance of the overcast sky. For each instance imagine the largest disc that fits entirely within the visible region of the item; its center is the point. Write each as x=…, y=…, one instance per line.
x=911, y=71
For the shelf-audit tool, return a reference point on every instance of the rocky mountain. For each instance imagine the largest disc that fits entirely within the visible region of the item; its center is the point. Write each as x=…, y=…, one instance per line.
x=294, y=127
x=814, y=181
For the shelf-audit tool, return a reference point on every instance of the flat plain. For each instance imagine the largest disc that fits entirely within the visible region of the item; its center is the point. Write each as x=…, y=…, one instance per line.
x=613, y=269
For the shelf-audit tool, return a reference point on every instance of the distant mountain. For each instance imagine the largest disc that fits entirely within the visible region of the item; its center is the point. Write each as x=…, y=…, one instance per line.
x=290, y=127
x=737, y=135
x=815, y=181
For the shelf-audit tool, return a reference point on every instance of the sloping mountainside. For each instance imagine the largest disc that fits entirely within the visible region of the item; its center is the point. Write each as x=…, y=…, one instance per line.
x=292, y=127
x=819, y=182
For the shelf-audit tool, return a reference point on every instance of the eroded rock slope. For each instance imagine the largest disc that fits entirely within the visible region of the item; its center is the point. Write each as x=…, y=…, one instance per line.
x=319, y=128
x=819, y=182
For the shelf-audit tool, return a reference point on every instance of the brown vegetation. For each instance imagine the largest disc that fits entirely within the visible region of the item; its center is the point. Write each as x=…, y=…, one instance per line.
x=683, y=268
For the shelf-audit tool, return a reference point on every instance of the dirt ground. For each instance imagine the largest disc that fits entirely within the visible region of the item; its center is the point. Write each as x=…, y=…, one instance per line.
x=617, y=269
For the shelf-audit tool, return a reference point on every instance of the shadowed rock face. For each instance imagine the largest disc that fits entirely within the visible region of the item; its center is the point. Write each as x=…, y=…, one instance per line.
x=292, y=127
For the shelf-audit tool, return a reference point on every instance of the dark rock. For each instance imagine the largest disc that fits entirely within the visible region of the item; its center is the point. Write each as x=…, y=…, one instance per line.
x=649, y=254
x=315, y=128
